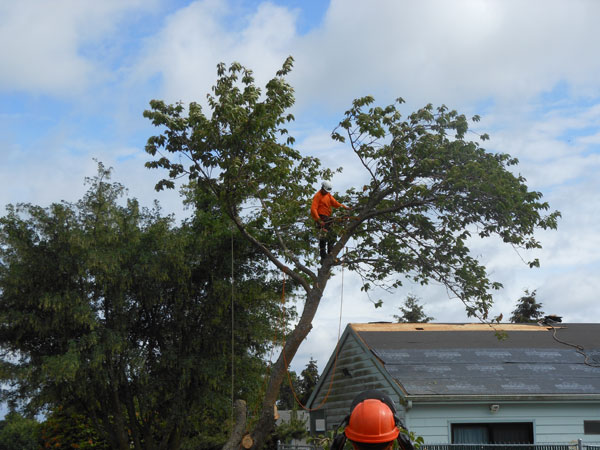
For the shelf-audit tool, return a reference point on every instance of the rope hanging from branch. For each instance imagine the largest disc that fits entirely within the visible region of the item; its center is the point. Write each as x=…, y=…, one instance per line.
x=232, y=330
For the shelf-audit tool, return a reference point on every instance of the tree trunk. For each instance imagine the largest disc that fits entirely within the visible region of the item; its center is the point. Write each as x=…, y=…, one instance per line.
x=266, y=420
x=133, y=423
x=120, y=427
x=239, y=410
x=314, y=293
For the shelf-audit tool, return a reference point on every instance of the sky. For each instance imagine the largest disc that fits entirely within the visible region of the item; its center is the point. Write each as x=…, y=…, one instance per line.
x=76, y=77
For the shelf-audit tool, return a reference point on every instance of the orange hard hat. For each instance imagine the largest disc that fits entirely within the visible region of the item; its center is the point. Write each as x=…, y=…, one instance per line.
x=372, y=421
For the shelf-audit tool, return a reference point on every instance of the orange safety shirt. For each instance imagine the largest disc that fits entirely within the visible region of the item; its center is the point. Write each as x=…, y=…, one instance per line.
x=322, y=203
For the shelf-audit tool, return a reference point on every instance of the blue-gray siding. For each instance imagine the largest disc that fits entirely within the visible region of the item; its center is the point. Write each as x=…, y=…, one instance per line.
x=552, y=422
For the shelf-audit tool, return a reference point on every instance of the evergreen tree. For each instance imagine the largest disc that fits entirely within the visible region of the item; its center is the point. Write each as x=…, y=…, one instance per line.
x=412, y=311
x=286, y=392
x=527, y=309
x=309, y=379
x=303, y=386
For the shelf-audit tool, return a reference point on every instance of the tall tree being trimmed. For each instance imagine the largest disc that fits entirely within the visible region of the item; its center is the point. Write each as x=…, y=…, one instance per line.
x=426, y=191
x=527, y=309
x=412, y=311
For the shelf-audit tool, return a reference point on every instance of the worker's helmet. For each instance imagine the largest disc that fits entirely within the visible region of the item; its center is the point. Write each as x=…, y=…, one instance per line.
x=372, y=422
x=327, y=186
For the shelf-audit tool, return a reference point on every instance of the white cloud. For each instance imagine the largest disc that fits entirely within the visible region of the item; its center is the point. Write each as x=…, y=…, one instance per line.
x=195, y=38
x=55, y=170
x=42, y=43
x=453, y=52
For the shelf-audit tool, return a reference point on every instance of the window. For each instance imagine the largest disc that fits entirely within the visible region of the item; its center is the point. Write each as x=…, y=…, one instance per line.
x=492, y=433
x=591, y=427
x=317, y=421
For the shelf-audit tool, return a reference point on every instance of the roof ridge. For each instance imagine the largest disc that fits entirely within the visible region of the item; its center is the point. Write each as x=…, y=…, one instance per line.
x=389, y=326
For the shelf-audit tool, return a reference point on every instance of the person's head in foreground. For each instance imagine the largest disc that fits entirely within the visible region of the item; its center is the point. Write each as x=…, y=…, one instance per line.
x=372, y=424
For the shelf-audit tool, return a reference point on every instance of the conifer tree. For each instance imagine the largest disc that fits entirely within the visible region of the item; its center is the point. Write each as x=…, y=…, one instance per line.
x=412, y=311
x=527, y=309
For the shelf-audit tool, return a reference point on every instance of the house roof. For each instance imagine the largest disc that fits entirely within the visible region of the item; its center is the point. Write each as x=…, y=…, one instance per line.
x=469, y=359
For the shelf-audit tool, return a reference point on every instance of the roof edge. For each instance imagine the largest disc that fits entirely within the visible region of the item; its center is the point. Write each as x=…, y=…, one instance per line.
x=379, y=327
x=328, y=367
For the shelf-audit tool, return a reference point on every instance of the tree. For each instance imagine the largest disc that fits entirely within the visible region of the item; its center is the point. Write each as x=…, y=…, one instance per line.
x=412, y=311
x=294, y=398
x=527, y=310
x=310, y=378
x=287, y=390
x=427, y=191
x=19, y=433
x=114, y=313
x=70, y=429
x=298, y=389
x=295, y=428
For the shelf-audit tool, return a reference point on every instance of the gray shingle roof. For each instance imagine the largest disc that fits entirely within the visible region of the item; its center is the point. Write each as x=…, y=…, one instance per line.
x=468, y=359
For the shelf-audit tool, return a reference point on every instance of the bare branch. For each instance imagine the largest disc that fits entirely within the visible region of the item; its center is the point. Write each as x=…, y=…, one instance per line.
x=285, y=269
x=284, y=247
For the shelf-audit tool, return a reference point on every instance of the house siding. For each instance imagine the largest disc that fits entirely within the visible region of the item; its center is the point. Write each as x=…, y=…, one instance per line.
x=552, y=422
x=356, y=370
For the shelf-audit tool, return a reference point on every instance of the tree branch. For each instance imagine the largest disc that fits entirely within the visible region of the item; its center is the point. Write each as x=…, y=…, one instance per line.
x=286, y=251
x=268, y=253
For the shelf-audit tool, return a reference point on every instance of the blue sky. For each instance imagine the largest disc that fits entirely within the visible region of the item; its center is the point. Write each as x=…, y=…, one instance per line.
x=76, y=77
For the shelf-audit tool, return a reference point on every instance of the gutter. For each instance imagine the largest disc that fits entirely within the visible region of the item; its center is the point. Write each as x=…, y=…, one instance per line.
x=431, y=399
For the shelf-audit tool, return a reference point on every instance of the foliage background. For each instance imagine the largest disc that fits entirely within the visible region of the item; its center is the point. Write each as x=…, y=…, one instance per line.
x=110, y=312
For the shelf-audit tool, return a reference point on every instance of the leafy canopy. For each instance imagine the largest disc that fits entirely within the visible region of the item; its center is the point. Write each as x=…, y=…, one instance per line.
x=426, y=190
x=19, y=433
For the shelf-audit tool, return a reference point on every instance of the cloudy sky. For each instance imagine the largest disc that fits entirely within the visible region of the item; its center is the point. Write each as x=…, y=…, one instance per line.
x=76, y=76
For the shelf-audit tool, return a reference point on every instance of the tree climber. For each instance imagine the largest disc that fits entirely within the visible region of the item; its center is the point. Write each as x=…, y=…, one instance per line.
x=320, y=211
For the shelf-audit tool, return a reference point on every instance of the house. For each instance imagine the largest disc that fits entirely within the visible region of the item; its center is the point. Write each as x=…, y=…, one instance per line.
x=460, y=383
x=287, y=416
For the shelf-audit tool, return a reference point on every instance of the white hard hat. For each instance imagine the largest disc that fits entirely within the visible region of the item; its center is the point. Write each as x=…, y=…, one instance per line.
x=326, y=186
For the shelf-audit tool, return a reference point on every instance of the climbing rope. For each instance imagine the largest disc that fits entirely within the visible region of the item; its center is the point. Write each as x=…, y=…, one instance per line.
x=578, y=348
x=232, y=329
